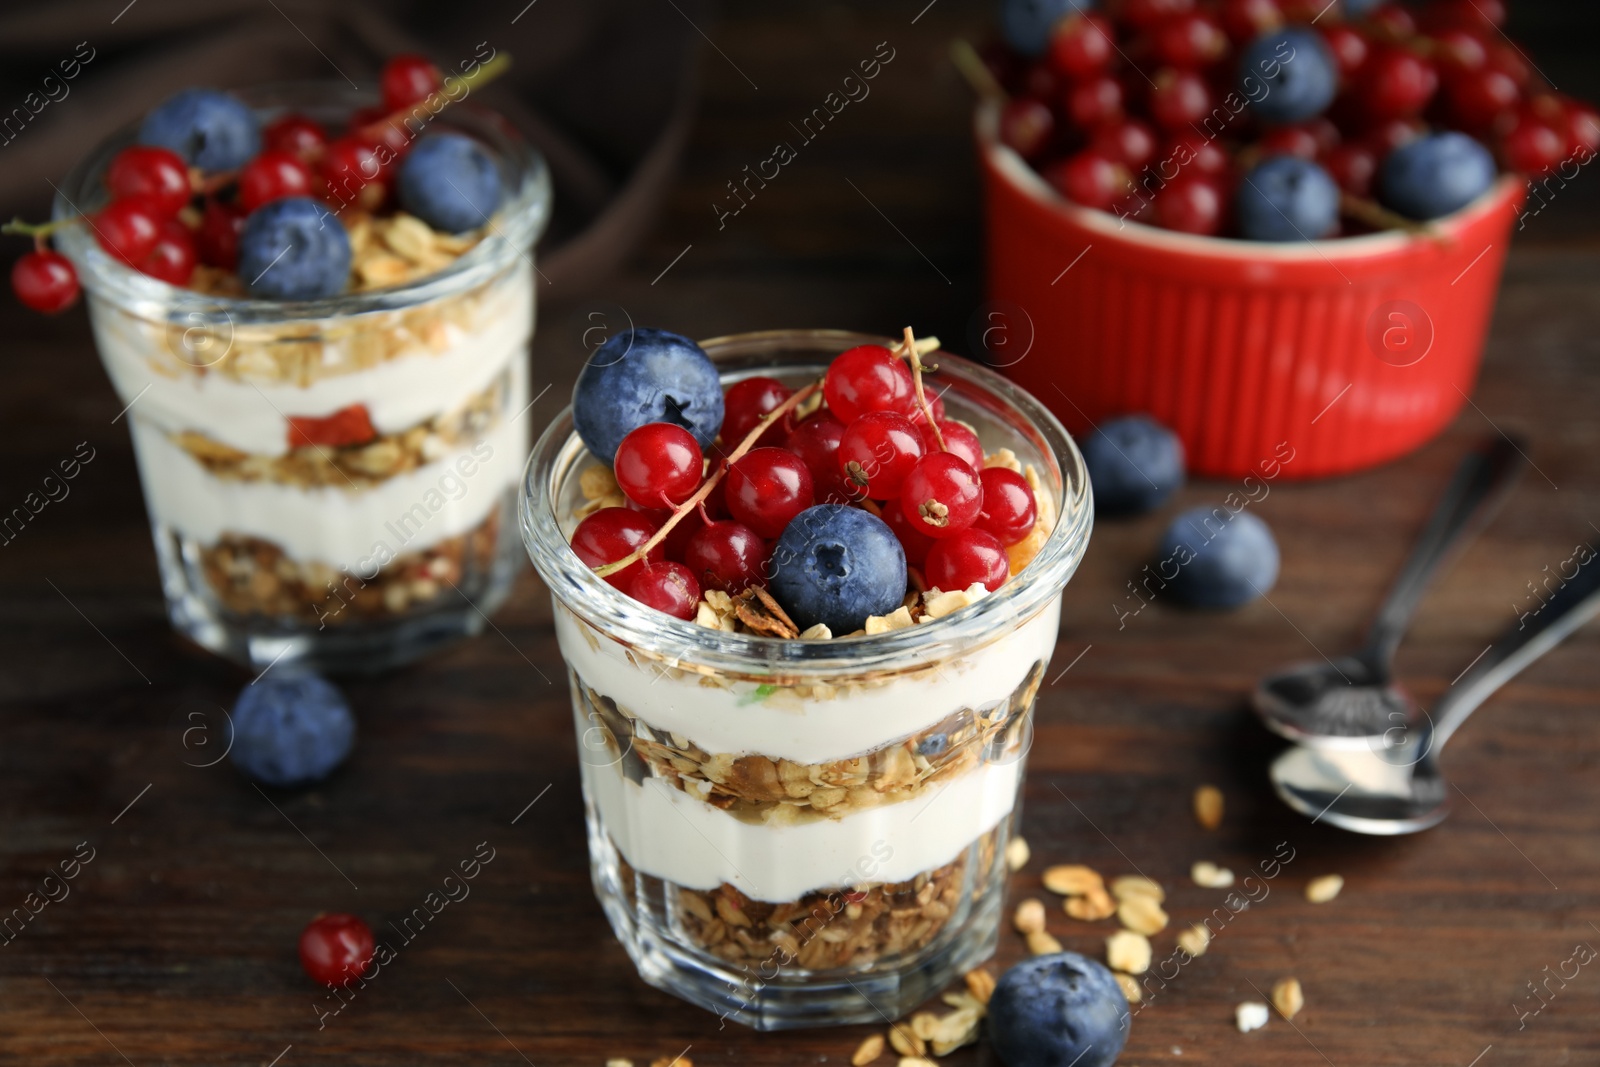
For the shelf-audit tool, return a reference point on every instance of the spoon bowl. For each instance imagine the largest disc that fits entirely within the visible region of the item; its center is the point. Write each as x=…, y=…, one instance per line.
x=1345, y=703
x=1362, y=791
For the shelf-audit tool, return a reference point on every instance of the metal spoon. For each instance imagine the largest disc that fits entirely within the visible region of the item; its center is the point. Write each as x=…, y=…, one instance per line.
x=1351, y=701
x=1395, y=787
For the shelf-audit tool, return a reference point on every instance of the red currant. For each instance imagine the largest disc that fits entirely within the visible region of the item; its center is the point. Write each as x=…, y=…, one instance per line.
x=677, y=537
x=970, y=556
x=336, y=949
x=1289, y=141
x=728, y=556
x=1094, y=101
x=958, y=440
x=407, y=79
x=1349, y=48
x=877, y=451
x=1148, y=14
x=297, y=135
x=914, y=542
x=1130, y=142
x=611, y=534
x=45, y=281
x=272, y=176
x=1479, y=100
x=1192, y=40
x=1532, y=146
x=766, y=488
x=1191, y=203
x=1009, y=508
x=816, y=442
x=1193, y=151
x=1027, y=126
x=1583, y=129
x=942, y=495
x=1479, y=14
x=349, y=165
x=1460, y=49
x=868, y=378
x=1353, y=166
x=173, y=257
x=158, y=176
x=1506, y=59
x=389, y=139
x=1089, y=178
x=1081, y=46
x=1396, y=83
x=1180, y=99
x=1041, y=83
x=128, y=229
x=1245, y=20
x=1395, y=20
x=668, y=587
x=1385, y=137
x=747, y=403
x=935, y=402
x=218, y=236
x=659, y=465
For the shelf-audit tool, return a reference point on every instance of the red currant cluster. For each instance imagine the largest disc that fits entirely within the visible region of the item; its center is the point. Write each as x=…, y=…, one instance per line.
x=878, y=441
x=1144, y=90
x=163, y=218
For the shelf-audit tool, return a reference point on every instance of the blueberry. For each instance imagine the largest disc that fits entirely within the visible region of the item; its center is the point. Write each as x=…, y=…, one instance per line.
x=291, y=728
x=1287, y=199
x=1223, y=559
x=1026, y=24
x=640, y=376
x=450, y=182
x=837, y=565
x=210, y=129
x=1134, y=463
x=934, y=744
x=294, y=249
x=1060, y=1010
x=1288, y=74
x=1434, y=175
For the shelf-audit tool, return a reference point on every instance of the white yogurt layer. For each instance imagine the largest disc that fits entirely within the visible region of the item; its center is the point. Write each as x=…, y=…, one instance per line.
x=732, y=720
x=252, y=417
x=664, y=832
x=338, y=525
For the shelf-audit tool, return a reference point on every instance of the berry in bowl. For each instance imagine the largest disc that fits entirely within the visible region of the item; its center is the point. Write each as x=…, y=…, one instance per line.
x=807, y=588
x=1259, y=222
x=321, y=339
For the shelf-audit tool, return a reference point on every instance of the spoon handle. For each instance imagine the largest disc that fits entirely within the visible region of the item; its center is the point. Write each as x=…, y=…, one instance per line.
x=1473, y=496
x=1573, y=604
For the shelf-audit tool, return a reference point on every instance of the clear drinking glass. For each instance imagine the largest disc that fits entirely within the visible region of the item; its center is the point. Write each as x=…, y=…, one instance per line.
x=345, y=558
x=802, y=833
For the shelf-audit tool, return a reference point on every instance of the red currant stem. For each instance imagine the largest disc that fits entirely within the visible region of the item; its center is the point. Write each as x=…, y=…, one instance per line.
x=206, y=186
x=485, y=73
x=917, y=368
x=1375, y=214
x=699, y=497
x=36, y=230
x=971, y=66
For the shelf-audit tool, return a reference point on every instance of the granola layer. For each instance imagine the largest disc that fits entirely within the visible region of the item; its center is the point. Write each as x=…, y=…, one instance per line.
x=762, y=789
x=255, y=577
x=830, y=928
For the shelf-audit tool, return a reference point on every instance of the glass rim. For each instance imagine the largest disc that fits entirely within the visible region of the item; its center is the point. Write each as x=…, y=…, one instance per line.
x=519, y=223
x=639, y=627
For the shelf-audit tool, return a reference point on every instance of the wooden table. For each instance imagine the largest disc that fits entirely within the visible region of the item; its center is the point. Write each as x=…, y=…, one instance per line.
x=176, y=943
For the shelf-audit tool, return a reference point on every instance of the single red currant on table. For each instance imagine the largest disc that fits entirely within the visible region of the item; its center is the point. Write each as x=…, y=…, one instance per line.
x=728, y=556
x=747, y=403
x=877, y=451
x=45, y=281
x=668, y=587
x=941, y=496
x=158, y=176
x=659, y=465
x=766, y=488
x=1009, y=508
x=868, y=378
x=970, y=556
x=611, y=534
x=408, y=79
x=297, y=135
x=336, y=949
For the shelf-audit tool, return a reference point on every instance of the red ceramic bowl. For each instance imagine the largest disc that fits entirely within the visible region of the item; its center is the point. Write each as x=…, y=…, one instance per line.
x=1344, y=353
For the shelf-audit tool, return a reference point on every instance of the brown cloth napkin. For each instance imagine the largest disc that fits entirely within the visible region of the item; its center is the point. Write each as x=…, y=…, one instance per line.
x=604, y=88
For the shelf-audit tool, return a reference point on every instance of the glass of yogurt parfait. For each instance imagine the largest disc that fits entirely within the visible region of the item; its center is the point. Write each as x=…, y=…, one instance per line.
x=329, y=479
x=786, y=826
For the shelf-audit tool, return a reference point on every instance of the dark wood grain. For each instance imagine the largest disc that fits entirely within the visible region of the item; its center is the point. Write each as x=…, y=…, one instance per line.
x=176, y=944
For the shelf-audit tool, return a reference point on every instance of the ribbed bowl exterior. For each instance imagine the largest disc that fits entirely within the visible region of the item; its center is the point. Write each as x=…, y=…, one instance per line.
x=1243, y=348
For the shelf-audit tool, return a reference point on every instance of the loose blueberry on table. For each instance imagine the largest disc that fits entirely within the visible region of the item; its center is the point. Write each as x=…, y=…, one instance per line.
x=1222, y=558
x=1059, y=1010
x=206, y=185
x=869, y=491
x=290, y=729
x=1183, y=114
x=1134, y=463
